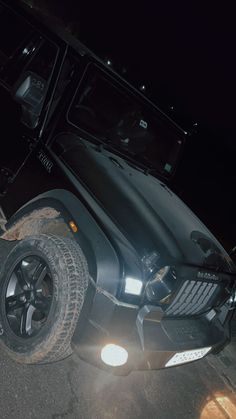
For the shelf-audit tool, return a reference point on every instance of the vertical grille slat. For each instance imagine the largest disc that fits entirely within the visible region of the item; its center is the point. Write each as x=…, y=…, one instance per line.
x=192, y=298
x=204, y=300
x=181, y=296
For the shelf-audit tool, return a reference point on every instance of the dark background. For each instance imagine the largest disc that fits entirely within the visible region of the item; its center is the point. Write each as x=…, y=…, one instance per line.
x=184, y=54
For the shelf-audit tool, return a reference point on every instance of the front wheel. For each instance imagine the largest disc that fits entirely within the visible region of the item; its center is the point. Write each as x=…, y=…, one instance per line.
x=42, y=289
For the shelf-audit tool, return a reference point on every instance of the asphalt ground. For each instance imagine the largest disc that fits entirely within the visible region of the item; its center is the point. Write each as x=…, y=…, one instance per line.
x=73, y=389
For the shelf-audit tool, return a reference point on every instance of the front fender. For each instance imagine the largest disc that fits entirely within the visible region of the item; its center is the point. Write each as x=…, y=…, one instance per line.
x=105, y=267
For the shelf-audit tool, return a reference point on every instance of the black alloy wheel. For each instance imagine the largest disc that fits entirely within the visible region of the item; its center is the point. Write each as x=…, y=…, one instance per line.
x=29, y=296
x=43, y=284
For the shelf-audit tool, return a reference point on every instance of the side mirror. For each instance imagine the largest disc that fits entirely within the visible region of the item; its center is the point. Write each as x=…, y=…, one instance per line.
x=30, y=93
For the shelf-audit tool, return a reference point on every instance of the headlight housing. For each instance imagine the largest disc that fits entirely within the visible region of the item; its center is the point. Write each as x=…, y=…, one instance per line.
x=160, y=286
x=155, y=285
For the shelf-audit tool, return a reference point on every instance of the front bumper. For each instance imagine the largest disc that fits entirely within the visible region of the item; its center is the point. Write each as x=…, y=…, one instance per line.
x=150, y=338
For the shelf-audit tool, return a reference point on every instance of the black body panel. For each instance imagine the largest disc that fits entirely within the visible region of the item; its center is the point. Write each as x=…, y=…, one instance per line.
x=130, y=224
x=151, y=216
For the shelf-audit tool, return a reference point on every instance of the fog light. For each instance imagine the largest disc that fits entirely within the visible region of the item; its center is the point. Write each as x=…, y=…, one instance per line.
x=114, y=355
x=133, y=286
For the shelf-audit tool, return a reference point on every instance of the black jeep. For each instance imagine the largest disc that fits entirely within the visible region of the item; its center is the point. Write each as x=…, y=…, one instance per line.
x=108, y=260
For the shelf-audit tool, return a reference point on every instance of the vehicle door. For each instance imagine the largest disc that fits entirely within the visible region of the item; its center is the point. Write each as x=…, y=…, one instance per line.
x=27, y=62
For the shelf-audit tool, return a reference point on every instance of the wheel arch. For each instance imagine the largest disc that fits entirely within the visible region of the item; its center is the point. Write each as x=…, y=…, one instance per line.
x=52, y=212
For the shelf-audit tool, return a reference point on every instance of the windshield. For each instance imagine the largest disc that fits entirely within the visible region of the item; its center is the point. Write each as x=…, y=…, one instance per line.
x=115, y=115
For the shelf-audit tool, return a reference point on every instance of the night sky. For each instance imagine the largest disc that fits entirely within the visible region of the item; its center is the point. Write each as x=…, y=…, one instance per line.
x=184, y=54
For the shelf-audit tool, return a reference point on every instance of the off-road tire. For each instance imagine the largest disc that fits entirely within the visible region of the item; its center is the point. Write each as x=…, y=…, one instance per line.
x=69, y=272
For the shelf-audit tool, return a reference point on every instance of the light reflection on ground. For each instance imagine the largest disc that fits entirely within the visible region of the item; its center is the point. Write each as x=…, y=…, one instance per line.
x=220, y=406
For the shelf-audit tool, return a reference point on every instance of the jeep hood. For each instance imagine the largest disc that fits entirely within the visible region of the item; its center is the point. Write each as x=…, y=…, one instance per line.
x=147, y=212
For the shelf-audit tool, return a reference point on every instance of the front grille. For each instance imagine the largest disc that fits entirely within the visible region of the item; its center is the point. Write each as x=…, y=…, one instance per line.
x=192, y=298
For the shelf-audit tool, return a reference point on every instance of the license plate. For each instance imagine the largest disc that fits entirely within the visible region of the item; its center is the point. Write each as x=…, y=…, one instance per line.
x=187, y=356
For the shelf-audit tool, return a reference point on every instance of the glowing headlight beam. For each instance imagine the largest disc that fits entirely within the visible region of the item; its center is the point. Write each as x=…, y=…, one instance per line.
x=133, y=286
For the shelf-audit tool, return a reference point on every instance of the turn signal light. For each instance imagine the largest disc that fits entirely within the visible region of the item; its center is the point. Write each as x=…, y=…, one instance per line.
x=73, y=226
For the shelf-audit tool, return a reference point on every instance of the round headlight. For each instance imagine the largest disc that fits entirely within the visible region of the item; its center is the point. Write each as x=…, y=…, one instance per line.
x=160, y=285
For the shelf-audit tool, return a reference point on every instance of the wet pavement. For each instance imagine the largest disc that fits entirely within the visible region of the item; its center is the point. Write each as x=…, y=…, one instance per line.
x=73, y=389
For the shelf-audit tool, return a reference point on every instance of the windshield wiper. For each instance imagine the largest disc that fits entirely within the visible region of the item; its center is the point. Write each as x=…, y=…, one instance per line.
x=145, y=167
x=129, y=157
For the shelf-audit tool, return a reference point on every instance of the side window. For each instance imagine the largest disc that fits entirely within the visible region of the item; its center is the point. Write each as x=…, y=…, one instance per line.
x=13, y=32
x=26, y=65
